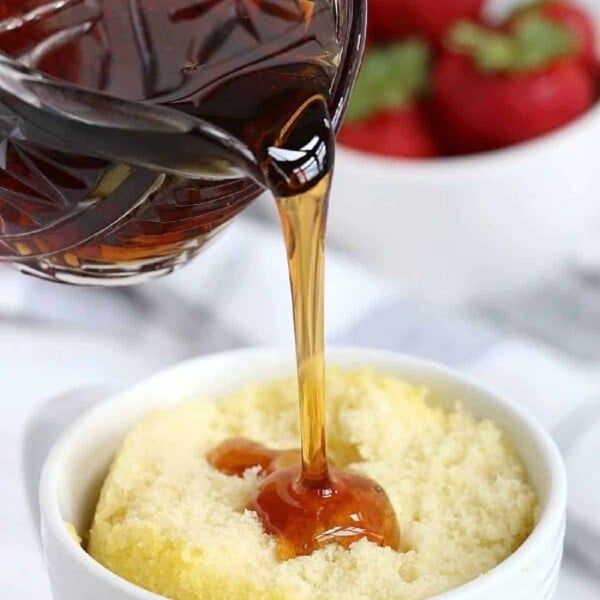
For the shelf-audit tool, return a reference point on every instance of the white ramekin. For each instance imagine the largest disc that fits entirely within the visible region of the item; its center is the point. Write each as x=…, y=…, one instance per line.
x=77, y=465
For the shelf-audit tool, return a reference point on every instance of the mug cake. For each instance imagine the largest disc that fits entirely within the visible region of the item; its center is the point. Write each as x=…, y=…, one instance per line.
x=171, y=523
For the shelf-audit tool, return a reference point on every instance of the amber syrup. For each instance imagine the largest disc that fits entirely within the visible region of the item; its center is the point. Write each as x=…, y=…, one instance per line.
x=310, y=504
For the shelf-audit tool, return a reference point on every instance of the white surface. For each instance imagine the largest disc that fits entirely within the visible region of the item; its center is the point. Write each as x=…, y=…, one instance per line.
x=78, y=464
x=35, y=366
x=245, y=273
x=546, y=383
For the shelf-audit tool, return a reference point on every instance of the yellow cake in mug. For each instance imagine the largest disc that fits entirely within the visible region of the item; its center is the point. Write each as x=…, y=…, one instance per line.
x=168, y=522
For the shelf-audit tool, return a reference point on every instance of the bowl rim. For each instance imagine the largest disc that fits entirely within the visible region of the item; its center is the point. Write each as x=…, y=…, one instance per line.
x=446, y=167
x=551, y=518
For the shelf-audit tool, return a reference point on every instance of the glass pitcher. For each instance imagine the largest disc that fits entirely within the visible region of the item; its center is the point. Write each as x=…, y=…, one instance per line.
x=122, y=172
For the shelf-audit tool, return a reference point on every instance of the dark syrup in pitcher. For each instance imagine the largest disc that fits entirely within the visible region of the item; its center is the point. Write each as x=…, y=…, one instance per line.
x=82, y=215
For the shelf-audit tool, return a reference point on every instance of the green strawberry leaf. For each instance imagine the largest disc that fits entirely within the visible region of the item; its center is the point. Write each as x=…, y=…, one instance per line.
x=531, y=7
x=536, y=43
x=492, y=51
x=541, y=41
x=391, y=77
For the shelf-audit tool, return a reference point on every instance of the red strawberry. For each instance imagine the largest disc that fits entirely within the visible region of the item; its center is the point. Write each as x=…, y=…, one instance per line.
x=574, y=17
x=399, y=132
x=504, y=89
x=393, y=19
x=384, y=116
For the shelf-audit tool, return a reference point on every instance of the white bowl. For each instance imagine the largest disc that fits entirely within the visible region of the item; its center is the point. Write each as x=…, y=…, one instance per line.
x=453, y=229
x=79, y=462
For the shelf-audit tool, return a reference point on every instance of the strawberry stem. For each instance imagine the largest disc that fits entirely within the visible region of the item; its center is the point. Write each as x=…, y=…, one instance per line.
x=392, y=77
x=492, y=51
x=535, y=43
x=532, y=7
